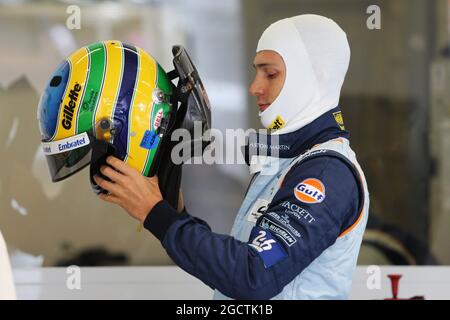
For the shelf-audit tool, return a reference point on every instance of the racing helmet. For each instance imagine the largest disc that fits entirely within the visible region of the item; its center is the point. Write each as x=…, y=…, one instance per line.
x=113, y=98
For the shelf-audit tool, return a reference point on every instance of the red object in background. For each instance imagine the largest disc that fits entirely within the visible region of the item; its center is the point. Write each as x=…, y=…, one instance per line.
x=395, y=279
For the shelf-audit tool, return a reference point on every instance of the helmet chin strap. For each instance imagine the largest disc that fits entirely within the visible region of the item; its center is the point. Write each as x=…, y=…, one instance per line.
x=101, y=150
x=193, y=107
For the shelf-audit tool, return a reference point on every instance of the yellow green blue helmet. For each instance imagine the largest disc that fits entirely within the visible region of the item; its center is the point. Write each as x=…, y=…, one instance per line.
x=113, y=98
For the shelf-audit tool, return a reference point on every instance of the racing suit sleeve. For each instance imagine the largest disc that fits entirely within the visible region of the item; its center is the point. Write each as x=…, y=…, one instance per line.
x=284, y=241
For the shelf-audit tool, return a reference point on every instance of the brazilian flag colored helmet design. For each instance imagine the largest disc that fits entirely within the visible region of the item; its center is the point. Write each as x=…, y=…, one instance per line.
x=106, y=98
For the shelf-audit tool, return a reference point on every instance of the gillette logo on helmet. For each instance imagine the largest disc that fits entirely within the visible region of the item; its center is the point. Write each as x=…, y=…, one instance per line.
x=69, y=108
x=310, y=190
x=69, y=145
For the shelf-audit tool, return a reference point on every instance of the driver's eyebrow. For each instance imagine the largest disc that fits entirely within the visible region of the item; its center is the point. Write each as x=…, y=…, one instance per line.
x=262, y=65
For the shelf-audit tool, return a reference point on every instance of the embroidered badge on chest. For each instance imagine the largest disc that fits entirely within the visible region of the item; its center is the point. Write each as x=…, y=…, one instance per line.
x=257, y=210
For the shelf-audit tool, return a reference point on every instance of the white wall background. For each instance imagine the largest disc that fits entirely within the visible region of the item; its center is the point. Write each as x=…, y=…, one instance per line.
x=173, y=283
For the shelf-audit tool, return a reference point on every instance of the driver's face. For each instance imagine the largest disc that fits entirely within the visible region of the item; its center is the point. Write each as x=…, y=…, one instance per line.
x=269, y=78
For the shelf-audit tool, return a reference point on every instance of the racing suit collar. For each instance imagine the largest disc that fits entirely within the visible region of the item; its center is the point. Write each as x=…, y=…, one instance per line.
x=292, y=144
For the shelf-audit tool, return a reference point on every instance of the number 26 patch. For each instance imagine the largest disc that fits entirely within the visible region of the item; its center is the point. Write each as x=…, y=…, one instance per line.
x=267, y=246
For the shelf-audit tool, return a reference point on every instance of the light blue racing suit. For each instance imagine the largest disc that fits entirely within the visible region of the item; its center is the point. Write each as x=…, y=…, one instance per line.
x=298, y=232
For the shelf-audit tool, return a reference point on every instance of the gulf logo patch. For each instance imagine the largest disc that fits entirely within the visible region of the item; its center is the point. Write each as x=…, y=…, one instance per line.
x=310, y=191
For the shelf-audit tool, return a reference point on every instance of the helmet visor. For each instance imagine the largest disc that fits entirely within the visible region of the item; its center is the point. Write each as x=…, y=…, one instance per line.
x=67, y=156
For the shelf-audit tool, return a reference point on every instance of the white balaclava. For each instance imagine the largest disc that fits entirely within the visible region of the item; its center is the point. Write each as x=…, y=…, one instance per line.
x=316, y=54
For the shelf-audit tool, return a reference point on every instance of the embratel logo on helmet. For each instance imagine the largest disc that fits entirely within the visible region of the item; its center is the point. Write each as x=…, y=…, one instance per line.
x=69, y=108
x=310, y=191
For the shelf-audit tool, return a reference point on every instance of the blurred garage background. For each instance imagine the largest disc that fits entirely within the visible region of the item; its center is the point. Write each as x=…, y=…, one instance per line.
x=395, y=101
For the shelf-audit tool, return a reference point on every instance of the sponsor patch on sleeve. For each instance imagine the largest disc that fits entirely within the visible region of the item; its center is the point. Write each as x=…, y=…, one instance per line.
x=278, y=231
x=267, y=246
x=310, y=190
